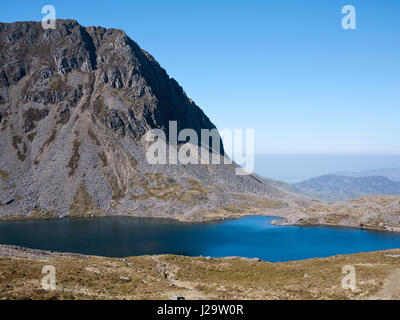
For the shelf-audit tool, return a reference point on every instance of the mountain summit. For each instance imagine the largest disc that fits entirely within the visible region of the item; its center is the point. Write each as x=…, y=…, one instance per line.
x=75, y=104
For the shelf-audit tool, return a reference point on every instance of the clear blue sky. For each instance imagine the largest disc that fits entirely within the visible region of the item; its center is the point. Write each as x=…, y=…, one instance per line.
x=285, y=68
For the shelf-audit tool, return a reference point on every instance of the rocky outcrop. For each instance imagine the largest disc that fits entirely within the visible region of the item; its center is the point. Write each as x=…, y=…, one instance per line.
x=75, y=105
x=369, y=212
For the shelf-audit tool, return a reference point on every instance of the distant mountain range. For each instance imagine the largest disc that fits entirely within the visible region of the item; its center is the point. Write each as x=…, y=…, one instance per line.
x=392, y=173
x=339, y=187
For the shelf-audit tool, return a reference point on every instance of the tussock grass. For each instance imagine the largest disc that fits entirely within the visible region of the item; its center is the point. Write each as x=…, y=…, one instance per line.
x=156, y=185
x=222, y=278
x=82, y=204
x=4, y=175
x=75, y=157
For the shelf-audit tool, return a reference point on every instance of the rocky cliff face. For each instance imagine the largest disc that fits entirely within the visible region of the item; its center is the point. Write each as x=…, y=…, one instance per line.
x=75, y=104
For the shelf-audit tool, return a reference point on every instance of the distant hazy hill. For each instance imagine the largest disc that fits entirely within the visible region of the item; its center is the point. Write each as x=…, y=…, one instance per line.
x=337, y=188
x=279, y=184
x=392, y=173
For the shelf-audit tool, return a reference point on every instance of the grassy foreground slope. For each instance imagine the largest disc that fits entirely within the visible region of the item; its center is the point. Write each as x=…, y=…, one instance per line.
x=160, y=277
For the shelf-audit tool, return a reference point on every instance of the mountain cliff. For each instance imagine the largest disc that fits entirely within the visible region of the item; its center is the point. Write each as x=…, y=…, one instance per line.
x=75, y=105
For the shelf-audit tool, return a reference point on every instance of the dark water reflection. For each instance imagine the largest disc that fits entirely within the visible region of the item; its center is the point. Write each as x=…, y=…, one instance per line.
x=251, y=236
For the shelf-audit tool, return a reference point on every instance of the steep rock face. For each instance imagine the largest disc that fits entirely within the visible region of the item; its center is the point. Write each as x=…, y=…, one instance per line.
x=75, y=104
x=111, y=62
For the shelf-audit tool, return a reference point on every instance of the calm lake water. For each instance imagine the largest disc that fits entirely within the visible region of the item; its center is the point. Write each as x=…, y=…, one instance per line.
x=252, y=236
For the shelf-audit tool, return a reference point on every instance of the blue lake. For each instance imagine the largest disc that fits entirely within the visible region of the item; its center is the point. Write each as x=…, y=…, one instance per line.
x=251, y=236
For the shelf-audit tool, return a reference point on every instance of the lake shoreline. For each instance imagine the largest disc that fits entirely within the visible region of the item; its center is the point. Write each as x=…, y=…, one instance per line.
x=285, y=219
x=283, y=223
x=183, y=219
